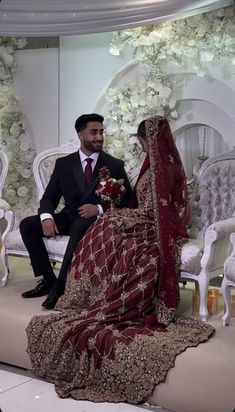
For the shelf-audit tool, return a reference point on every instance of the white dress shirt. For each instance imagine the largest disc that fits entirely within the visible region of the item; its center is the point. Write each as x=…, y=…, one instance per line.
x=83, y=157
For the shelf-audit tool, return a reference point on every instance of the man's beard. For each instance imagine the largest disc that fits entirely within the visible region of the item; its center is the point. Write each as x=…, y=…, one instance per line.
x=93, y=147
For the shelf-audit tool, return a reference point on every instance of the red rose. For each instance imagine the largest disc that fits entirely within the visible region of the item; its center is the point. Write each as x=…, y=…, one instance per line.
x=110, y=189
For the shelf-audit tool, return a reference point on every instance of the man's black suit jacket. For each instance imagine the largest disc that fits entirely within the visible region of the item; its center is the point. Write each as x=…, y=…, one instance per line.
x=68, y=181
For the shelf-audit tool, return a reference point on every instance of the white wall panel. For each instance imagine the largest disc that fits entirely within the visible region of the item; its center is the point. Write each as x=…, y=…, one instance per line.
x=36, y=83
x=54, y=93
x=86, y=68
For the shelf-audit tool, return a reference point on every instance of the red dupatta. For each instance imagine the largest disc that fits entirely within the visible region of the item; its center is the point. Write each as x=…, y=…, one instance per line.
x=170, y=207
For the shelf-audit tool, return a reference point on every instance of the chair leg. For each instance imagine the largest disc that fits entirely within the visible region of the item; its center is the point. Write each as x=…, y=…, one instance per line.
x=203, y=284
x=4, y=260
x=225, y=289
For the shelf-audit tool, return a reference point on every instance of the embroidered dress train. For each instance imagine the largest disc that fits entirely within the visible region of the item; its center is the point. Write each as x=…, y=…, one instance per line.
x=116, y=335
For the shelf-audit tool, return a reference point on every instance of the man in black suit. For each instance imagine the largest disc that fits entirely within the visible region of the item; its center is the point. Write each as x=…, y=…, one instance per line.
x=75, y=177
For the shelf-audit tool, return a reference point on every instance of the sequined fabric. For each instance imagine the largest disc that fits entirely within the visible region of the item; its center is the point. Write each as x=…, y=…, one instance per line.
x=124, y=353
x=115, y=335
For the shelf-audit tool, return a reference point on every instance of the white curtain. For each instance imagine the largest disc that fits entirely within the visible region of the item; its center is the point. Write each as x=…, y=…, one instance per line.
x=196, y=142
x=67, y=17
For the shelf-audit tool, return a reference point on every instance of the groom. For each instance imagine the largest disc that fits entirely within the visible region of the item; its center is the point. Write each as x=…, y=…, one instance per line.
x=74, y=178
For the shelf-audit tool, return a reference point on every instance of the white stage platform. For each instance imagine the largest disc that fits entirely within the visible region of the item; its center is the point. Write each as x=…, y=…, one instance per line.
x=201, y=381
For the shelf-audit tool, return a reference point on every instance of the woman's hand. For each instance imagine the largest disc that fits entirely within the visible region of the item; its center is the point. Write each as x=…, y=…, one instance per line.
x=88, y=210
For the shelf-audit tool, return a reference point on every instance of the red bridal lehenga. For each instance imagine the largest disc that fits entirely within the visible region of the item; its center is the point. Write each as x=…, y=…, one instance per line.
x=116, y=335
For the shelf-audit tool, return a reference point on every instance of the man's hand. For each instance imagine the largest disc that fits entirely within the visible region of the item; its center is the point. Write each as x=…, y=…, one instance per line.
x=49, y=228
x=88, y=210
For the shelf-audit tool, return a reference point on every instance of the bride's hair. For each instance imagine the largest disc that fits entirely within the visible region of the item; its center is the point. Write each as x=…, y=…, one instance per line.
x=141, y=130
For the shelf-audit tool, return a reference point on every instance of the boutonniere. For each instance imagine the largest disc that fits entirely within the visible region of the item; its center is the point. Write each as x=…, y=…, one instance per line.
x=110, y=189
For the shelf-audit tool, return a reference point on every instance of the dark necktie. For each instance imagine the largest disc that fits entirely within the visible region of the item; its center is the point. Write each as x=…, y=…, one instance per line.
x=88, y=171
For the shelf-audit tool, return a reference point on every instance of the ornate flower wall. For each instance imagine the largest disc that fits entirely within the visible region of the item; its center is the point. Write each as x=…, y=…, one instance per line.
x=14, y=141
x=196, y=40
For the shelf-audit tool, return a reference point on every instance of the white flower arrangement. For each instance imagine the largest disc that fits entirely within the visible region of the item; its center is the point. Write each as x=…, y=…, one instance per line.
x=128, y=106
x=19, y=186
x=198, y=39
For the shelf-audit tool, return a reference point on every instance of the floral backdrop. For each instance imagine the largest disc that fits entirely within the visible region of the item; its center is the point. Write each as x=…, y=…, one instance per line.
x=14, y=139
x=194, y=41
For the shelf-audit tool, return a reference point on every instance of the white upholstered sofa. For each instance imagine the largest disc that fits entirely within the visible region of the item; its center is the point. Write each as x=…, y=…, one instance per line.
x=212, y=222
x=12, y=243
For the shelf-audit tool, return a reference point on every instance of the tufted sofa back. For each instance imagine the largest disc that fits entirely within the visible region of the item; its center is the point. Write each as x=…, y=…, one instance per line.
x=213, y=198
x=44, y=163
x=214, y=194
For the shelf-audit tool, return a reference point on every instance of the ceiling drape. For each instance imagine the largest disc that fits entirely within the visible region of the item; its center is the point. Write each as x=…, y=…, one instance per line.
x=67, y=17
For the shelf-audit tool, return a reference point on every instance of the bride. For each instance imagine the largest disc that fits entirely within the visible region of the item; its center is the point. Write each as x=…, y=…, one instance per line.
x=116, y=335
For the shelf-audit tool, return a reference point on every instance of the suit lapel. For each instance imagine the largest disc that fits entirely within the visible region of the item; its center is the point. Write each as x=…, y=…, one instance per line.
x=78, y=173
x=99, y=164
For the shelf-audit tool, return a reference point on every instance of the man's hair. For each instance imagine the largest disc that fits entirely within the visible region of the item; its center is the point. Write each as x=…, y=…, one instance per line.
x=81, y=122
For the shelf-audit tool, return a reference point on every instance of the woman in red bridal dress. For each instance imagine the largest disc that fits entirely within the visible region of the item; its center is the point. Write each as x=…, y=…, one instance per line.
x=116, y=334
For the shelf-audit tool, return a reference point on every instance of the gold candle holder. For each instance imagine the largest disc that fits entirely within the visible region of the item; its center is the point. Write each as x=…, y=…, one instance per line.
x=233, y=305
x=212, y=301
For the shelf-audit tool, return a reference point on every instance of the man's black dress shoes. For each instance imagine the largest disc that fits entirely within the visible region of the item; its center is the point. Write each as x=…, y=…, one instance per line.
x=56, y=291
x=42, y=288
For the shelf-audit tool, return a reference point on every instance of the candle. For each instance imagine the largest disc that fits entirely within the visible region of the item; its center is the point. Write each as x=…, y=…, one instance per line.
x=232, y=297
x=212, y=301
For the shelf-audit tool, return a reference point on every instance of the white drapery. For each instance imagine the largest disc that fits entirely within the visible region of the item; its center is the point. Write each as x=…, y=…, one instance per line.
x=67, y=17
x=198, y=141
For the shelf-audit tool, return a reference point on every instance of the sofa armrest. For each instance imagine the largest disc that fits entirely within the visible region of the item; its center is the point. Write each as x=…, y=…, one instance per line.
x=232, y=238
x=8, y=215
x=217, y=245
x=4, y=206
x=229, y=265
x=223, y=228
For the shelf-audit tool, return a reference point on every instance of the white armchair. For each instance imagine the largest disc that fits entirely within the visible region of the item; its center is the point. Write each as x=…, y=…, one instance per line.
x=228, y=283
x=212, y=197
x=211, y=224
x=12, y=243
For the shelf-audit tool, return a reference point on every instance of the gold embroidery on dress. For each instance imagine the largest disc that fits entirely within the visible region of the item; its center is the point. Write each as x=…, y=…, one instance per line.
x=125, y=219
x=130, y=366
